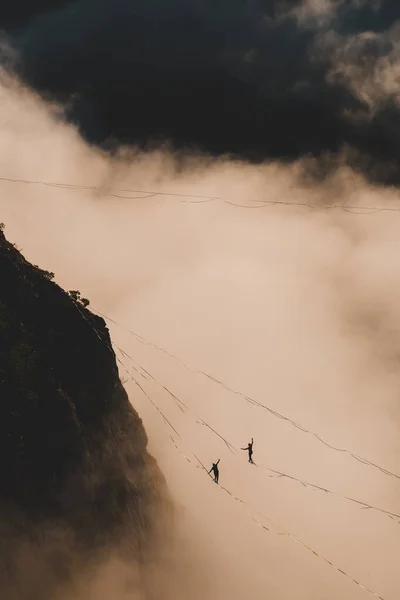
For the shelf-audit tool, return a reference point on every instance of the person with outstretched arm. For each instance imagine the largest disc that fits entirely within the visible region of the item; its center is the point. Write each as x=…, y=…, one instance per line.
x=215, y=471
x=250, y=450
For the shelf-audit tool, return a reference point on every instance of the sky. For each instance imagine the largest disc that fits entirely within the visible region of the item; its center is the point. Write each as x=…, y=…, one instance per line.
x=255, y=79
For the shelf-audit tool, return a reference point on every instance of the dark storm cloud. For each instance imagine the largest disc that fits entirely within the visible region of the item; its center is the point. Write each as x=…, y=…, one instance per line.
x=257, y=79
x=19, y=12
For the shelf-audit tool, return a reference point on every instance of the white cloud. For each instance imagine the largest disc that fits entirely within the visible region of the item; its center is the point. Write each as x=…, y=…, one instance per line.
x=367, y=63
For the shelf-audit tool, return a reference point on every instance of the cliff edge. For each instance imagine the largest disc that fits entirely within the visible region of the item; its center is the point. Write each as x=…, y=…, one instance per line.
x=73, y=460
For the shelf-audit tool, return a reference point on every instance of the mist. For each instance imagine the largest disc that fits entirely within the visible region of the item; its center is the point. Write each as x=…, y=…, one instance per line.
x=295, y=306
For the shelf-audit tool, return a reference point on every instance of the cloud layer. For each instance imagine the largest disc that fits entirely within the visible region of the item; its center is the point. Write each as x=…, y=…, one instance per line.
x=298, y=308
x=261, y=80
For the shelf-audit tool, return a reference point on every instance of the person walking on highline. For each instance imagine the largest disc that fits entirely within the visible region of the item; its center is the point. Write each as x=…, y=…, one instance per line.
x=215, y=471
x=250, y=450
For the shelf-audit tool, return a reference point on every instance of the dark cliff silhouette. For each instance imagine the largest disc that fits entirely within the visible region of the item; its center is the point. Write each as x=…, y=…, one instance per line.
x=73, y=458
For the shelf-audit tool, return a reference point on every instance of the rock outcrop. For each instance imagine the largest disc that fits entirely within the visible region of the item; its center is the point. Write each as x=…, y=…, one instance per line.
x=76, y=480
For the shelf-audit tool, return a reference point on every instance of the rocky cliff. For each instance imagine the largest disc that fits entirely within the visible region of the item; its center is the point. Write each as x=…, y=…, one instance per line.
x=76, y=479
